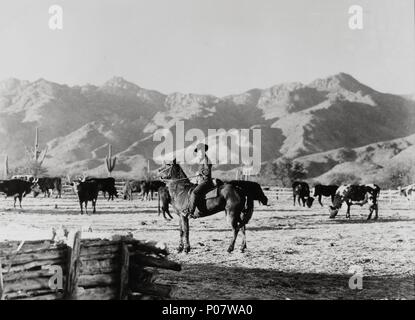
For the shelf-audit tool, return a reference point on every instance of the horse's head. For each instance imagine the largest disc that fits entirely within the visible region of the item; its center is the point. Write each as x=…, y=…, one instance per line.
x=171, y=171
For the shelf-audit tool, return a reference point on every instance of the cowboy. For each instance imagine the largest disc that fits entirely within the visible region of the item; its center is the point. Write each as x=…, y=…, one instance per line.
x=204, y=181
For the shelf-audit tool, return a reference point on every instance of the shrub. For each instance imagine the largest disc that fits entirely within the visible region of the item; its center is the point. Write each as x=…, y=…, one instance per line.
x=344, y=178
x=347, y=154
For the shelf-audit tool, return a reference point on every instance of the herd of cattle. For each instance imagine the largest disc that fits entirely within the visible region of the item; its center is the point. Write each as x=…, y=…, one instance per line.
x=88, y=188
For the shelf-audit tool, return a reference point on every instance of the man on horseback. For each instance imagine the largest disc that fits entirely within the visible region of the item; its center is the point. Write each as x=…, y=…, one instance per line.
x=204, y=182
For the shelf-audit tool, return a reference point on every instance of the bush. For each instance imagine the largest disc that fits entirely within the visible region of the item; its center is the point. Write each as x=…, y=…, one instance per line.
x=344, y=178
x=347, y=154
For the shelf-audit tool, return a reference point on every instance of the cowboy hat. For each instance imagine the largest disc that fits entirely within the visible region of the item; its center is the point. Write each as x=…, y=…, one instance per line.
x=201, y=146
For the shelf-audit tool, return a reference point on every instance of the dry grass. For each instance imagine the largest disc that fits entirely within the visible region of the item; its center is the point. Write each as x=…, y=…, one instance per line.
x=293, y=252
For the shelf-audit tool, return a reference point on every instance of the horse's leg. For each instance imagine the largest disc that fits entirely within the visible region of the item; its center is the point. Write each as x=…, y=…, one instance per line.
x=370, y=212
x=243, y=246
x=348, y=210
x=186, y=234
x=294, y=199
x=168, y=213
x=319, y=200
x=235, y=229
x=181, y=246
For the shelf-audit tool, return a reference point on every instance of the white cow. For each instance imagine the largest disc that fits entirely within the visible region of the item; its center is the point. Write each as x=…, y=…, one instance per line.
x=408, y=192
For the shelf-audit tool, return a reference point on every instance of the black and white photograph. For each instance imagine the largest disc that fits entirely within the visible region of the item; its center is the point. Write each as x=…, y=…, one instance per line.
x=207, y=150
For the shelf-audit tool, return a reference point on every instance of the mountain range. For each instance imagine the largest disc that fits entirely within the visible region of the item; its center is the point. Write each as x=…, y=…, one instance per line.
x=307, y=122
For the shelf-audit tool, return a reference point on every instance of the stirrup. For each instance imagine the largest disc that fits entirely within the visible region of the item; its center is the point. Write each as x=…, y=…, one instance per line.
x=186, y=212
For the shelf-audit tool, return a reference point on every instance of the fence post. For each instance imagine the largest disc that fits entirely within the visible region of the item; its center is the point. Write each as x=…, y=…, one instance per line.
x=124, y=276
x=74, y=266
x=1, y=282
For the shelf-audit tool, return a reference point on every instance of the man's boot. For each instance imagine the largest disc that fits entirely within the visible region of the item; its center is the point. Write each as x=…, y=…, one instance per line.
x=189, y=211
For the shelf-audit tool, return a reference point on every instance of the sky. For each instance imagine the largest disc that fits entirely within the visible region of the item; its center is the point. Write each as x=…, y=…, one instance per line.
x=218, y=47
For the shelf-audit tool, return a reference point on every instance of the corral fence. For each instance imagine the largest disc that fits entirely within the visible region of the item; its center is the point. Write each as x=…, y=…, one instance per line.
x=274, y=193
x=386, y=196
x=119, y=268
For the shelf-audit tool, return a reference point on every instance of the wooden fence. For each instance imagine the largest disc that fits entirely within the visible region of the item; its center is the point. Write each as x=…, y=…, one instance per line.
x=386, y=196
x=87, y=269
x=272, y=192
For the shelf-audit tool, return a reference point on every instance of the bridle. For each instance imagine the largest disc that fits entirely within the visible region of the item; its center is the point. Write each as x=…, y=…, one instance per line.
x=170, y=166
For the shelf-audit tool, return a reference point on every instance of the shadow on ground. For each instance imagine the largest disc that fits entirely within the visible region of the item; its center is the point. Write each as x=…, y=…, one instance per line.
x=221, y=282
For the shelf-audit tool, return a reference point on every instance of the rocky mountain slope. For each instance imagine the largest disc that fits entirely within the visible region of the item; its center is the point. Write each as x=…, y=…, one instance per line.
x=305, y=121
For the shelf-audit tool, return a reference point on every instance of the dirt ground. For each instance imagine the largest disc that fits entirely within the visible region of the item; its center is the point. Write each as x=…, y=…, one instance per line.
x=293, y=252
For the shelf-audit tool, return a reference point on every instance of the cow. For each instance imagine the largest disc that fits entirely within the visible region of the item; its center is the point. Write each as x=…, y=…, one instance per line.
x=25, y=177
x=252, y=189
x=165, y=199
x=356, y=195
x=408, y=192
x=87, y=190
x=46, y=184
x=130, y=187
x=148, y=187
x=18, y=189
x=301, y=190
x=326, y=191
x=106, y=185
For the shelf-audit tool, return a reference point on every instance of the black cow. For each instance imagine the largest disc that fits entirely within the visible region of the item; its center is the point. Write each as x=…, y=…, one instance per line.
x=326, y=191
x=130, y=187
x=46, y=184
x=106, y=185
x=148, y=187
x=18, y=189
x=252, y=189
x=302, y=191
x=86, y=190
x=356, y=195
x=164, y=196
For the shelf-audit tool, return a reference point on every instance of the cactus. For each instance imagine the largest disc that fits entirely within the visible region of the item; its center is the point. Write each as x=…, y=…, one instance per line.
x=6, y=167
x=36, y=156
x=110, y=160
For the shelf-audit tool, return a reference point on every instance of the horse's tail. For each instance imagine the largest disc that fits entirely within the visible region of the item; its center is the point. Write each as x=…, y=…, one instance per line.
x=158, y=196
x=247, y=212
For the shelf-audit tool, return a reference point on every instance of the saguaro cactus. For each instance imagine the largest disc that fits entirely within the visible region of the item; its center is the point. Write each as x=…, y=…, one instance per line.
x=110, y=160
x=6, y=167
x=36, y=156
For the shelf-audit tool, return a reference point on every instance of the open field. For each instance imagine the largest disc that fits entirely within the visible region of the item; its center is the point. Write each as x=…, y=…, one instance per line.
x=293, y=252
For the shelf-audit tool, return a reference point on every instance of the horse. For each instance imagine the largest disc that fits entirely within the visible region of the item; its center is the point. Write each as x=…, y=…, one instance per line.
x=164, y=197
x=237, y=206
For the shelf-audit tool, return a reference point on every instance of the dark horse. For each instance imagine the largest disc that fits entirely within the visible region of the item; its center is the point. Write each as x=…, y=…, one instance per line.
x=232, y=200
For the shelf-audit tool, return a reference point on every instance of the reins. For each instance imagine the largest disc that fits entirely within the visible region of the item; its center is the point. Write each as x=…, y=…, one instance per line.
x=181, y=179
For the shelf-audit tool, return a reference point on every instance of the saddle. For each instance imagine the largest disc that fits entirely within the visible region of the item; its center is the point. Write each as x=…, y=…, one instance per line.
x=214, y=191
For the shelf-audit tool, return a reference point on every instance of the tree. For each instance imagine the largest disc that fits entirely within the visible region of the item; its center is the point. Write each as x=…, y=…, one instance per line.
x=399, y=174
x=35, y=169
x=283, y=172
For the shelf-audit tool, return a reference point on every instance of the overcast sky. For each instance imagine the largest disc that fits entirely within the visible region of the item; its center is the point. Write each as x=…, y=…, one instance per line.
x=209, y=46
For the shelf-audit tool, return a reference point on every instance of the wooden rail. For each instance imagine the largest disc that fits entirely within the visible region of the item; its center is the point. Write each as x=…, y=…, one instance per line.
x=89, y=269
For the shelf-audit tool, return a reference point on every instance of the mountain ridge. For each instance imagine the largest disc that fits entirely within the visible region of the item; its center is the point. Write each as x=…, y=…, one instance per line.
x=296, y=119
